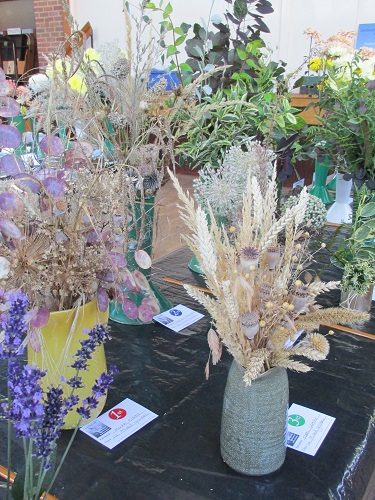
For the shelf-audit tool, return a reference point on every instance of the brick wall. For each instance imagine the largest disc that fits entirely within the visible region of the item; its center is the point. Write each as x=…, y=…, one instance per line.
x=49, y=27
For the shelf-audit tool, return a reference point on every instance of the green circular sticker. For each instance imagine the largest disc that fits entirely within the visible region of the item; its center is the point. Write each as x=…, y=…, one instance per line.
x=296, y=420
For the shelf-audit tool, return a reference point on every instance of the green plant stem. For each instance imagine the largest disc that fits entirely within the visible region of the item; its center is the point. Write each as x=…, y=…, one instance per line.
x=28, y=481
x=9, y=450
x=41, y=475
x=62, y=459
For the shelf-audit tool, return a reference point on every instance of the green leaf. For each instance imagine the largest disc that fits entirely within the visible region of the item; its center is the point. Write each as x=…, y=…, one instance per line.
x=150, y=5
x=168, y=9
x=171, y=50
x=172, y=66
x=280, y=121
x=179, y=31
x=180, y=40
x=251, y=63
x=186, y=67
x=185, y=27
x=354, y=121
x=241, y=54
x=364, y=231
x=268, y=96
x=368, y=210
x=291, y=118
x=230, y=118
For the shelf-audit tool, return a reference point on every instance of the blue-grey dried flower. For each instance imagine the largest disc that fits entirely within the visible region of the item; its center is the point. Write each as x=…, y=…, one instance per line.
x=151, y=183
x=371, y=85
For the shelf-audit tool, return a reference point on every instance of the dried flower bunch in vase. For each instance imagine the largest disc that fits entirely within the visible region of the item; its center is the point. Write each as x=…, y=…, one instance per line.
x=263, y=295
x=104, y=97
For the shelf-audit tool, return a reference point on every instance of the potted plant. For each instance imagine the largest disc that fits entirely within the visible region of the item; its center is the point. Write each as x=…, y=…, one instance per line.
x=356, y=253
x=346, y=129
x=261, y=301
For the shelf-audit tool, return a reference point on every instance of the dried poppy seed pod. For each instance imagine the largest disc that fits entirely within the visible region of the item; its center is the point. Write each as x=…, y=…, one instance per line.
x=273, y=255
x=248, y=256
x=299, y=297
x=264, y=295
x=250, y=324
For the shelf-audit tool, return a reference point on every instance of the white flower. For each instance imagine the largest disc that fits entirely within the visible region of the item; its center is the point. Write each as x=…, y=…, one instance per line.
x=38, y=83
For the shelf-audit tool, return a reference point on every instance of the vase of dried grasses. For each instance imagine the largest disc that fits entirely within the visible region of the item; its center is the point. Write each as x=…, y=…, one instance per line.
x=254, y=421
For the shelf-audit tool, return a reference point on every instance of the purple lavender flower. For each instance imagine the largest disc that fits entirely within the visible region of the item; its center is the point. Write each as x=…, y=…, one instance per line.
x=25, y=409
x=14, y=327
x=97, y=336
x=102, y=384
x=104, y=381
x=55, y=410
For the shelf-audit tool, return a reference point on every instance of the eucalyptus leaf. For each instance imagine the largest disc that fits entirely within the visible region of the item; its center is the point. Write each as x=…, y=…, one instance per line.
x=368, y=210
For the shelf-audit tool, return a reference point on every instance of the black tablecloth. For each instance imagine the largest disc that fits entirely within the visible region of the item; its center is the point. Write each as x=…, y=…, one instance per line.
x=177, y=455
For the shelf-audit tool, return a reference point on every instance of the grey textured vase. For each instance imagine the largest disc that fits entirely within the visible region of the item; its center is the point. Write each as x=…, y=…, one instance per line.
x=254, y=421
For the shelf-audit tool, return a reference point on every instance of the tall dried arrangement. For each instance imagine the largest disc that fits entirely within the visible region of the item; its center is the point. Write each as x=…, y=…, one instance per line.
x=263, y=293
x=66, y=225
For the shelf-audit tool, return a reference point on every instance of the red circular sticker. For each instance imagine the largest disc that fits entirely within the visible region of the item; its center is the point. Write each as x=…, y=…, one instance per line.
x=117, y=413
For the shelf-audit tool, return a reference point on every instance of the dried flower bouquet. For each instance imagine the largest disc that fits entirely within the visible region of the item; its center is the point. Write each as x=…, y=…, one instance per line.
x=264, y=294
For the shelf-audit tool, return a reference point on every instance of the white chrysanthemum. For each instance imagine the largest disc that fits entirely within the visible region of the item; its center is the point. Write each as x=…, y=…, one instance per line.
x=337, y=50
x=38, y=83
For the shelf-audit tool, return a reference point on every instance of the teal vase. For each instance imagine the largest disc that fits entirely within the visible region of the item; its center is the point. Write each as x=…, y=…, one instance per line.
x=194, y=265
x=331, y=185
x=320, y=189
x=116, y=312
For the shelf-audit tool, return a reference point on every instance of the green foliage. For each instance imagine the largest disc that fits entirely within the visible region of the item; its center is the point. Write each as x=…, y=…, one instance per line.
x=358, y=249
x=346, y=127
x=235, y=44
x=230, y=116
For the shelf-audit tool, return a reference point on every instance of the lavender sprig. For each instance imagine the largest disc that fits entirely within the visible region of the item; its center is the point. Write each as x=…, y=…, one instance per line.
x=97, y=336
x=24, y=408
x=14, y=327
x=55, y=410
x=35, y=419
x=102, y=384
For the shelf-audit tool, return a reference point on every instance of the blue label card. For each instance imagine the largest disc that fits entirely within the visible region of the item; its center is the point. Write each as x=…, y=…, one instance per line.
x=366, y=36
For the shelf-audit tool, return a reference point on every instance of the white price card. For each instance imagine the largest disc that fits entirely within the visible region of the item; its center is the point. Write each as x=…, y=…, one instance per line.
x=179, y=317
x=307, y=429
x=118, y=423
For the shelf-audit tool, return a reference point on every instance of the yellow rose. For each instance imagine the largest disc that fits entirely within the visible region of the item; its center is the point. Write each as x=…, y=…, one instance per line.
x=91, y=55
x=315, y=64
x=77, y=84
